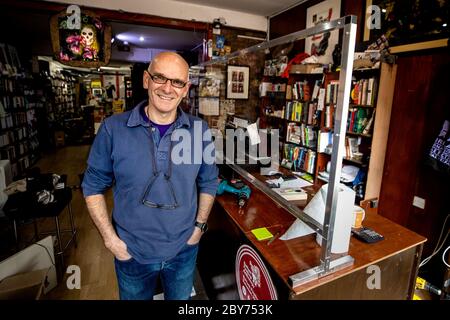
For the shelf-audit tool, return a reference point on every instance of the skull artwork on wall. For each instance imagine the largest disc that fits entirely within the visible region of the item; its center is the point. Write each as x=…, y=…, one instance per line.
x=87, y=33
x=87, y=44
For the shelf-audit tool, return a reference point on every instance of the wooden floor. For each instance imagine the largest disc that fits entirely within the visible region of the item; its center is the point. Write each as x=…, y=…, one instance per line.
x=98, y=280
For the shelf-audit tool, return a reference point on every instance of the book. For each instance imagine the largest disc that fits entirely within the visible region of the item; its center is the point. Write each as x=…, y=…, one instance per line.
x=292, y=194
x=370, y=92
x=262, y=234
x=369, y=124
x=293, y=133
x=315, y=94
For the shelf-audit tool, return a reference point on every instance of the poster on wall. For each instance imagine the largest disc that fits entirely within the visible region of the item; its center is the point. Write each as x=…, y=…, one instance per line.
x=322, y=45
x=209, y=87
x=252, y=277
x=80, y=38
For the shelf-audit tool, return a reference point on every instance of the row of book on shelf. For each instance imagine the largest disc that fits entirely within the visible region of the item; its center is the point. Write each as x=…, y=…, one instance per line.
x=8, y=102
x=298, y=158
x=10, y=120
x=14, y=152
x=360, y=120
x=306, y=112
x=10, y=137
x=301, y=134
x=332, y=92
x=363, y=91
x=301, y=90
x=308, y=136
x=325, y=144
x=10, y=85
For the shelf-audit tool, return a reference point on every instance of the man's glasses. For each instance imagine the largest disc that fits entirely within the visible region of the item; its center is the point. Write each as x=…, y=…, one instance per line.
x=161, y=192
x=149, y=203
x=160, y=79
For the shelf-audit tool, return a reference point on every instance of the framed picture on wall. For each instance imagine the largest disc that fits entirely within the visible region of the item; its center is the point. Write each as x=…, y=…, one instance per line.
x=87, y=44
x=238, y=79
x=322, y=45
x=420, y=25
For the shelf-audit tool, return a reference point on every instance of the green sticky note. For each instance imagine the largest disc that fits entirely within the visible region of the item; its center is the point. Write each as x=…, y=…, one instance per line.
x=262, y=234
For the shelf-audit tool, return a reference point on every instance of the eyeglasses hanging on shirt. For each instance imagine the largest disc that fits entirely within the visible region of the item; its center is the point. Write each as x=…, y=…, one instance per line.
x=164, y=191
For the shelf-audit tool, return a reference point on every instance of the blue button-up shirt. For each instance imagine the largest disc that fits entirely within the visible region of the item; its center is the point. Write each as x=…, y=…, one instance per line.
x=121, y=157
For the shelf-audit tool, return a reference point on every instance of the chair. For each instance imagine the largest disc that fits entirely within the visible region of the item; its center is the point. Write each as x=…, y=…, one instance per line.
x=23, y=206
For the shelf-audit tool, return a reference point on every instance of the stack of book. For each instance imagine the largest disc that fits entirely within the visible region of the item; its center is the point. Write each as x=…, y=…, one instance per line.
x=292, y=194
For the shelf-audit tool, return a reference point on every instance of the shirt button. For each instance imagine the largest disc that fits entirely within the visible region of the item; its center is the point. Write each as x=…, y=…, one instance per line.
x=153, y=129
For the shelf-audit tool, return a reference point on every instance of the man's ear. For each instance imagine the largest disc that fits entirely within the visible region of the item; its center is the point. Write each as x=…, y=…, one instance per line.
x=186, y=88
x=145, y=79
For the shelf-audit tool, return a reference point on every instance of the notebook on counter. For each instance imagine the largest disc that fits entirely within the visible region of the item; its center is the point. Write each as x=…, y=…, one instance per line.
x=292, y=194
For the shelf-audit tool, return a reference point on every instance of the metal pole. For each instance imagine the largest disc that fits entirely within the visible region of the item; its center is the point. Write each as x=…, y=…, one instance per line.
x=340, y=126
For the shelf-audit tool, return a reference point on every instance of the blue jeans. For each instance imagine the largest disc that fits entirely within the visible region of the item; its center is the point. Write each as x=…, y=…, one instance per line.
x=138, y=281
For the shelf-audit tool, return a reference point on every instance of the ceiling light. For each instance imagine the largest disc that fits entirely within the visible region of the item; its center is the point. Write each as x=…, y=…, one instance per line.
x=444, y=25
x=141, y=38
x=113, y=39
x=125, y=43
x=383, y=10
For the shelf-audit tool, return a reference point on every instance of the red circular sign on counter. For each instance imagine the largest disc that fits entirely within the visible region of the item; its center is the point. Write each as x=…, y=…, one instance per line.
x=253, y=279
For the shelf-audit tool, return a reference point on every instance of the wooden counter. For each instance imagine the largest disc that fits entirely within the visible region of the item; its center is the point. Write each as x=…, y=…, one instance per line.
x=397, y=255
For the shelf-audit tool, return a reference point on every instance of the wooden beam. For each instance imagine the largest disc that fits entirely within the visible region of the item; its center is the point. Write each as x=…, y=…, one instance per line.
x=111, y=15
x=366, y=15
x=420, y=46
x=381, y=130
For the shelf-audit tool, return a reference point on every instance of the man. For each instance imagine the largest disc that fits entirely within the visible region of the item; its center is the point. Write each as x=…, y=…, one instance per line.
x=160, y=204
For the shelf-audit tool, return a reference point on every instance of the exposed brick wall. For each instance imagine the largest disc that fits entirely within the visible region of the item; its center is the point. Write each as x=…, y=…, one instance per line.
x=246, y=109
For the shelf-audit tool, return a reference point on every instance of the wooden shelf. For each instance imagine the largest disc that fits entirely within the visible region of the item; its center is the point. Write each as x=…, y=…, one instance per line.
x=368, y=106
x=367, y=70
x=275, y=94
x=302, y=101
x=307, y=74
x=301, y=145
x=357, y=162
x=359, y=134
x=300, y=122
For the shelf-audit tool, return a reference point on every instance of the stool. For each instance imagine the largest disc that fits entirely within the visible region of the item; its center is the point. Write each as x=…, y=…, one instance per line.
x=22, y=206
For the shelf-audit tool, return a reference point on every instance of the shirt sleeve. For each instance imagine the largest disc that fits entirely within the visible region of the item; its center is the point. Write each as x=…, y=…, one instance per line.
x=99, y=175
x=207, y=178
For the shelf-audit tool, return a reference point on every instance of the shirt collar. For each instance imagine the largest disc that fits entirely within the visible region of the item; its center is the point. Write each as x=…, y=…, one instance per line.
x=135, y=119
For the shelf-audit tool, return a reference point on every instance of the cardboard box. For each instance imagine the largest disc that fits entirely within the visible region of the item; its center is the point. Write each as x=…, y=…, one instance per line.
x=59, y=138
x=29, y=272
x=23, y=286
x=304, y=68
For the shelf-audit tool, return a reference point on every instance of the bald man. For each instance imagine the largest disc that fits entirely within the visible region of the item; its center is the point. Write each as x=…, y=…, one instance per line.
x=161, y=204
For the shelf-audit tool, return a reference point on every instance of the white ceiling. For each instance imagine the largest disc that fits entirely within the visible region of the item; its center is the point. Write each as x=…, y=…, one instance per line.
x=154, y=37
x=264, y=8
x=171, y=39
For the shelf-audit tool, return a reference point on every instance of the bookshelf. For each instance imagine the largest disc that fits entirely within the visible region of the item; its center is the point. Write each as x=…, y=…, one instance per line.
x=287, y=105
x=21, y=102
x=62, y=95
x=305, y=117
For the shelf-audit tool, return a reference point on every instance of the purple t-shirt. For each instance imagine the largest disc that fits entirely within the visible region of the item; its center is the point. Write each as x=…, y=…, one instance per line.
x=161, y=127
